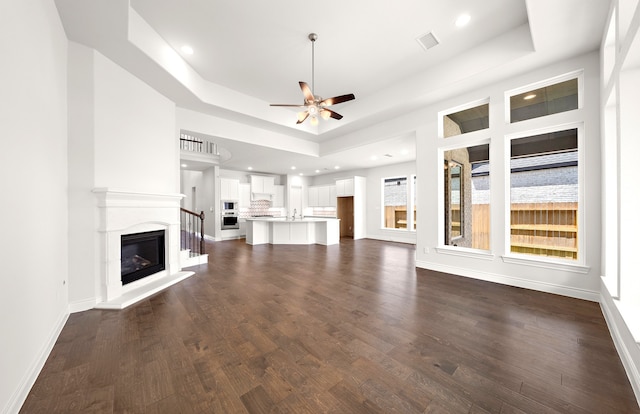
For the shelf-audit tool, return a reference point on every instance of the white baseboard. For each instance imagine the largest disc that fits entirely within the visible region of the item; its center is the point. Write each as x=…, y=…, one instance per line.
x=392, y=239
x=82, y=305
x=593, y=296
x=20, y=395
x=628, y=349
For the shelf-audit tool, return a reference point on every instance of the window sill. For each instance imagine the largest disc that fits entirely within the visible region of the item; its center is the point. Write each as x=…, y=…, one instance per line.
x=397, y=230
x=466, y=252
x=547, y=264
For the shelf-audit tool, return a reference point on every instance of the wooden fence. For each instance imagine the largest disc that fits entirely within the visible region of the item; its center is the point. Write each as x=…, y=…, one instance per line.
x=544, y=229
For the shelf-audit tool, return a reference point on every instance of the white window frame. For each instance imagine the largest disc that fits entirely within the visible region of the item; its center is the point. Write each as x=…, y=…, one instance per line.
x=453, y=110
x=578, y=74
x=577, y=265
x=458, y=250
x=410, y=195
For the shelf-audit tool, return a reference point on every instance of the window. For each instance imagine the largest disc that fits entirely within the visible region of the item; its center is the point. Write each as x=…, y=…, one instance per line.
x=467, y=120
x=466, y=197
x=547, y=100
x=395, y=203
x=544, y=195
x=415, y=203
x=399, y=200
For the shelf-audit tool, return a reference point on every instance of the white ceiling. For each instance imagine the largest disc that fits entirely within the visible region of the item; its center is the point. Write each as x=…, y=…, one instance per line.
x=250, y=53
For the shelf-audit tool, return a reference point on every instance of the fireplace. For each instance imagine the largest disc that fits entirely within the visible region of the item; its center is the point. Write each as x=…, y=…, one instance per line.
x=150, y=220
x=141, y=255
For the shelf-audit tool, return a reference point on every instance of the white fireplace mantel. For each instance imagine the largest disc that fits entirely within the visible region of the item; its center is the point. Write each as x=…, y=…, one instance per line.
x=126, y=212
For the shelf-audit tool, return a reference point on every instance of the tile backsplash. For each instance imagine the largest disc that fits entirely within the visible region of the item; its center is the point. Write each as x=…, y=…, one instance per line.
x=261, y=208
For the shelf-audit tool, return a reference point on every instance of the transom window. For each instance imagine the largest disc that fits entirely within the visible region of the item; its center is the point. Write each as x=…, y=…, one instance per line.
x=467, y=120
x=546, y=100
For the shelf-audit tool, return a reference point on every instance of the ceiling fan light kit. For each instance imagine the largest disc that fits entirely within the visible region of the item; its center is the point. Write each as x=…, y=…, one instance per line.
x=314, y=105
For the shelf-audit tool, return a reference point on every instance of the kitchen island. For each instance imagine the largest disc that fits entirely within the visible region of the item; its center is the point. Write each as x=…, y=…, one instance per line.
x=280, y=230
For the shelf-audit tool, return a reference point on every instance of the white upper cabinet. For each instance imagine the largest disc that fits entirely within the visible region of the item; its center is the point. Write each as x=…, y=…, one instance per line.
x=262, y=184
x=344, y=188
x=321, y=196
x=324, y=196
x=245, y=195
x=312, y=196
x=278, y=198
x=229, y=189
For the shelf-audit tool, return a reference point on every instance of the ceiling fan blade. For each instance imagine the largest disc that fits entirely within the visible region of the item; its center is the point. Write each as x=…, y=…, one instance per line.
x=308, y=95
x=338, y=99
x=332, y=114
x=302, y=116
x=289, y=105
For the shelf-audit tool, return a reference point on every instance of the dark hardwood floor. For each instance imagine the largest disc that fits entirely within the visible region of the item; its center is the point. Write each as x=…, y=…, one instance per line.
x=354, y=328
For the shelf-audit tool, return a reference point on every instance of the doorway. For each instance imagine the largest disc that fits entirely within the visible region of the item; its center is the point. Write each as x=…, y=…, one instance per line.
x=345, y=214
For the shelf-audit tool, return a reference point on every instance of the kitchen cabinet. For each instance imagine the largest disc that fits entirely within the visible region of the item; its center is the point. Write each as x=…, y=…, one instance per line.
x=312, y=196
x=324, y=196
x=278, y=198
x=229, y=189
x=263, y=184
x=245, y=195
x=324, y=231
x=344, y=187
x=321, y=196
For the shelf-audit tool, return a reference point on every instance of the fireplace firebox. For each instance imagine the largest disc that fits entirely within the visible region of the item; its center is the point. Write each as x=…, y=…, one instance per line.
x=141, y=255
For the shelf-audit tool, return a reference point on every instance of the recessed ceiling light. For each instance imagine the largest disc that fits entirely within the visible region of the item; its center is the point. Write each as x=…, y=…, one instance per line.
x=463, y=20
x=187, y=50
x=530, y=96
x=183, y=165
x=337, y=167
x=301, y=174
x=293, y=167
x=317, y=171
x=249, y=168
x=374, y=157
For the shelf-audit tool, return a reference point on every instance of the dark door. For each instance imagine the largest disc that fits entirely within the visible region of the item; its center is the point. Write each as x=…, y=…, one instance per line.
x=345, y=214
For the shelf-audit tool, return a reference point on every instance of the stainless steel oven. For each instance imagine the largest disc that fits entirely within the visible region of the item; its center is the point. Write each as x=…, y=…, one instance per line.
x=230, y=220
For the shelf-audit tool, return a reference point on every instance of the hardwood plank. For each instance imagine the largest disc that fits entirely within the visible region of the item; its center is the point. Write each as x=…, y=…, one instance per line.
x=257, y=400
x=353, y=328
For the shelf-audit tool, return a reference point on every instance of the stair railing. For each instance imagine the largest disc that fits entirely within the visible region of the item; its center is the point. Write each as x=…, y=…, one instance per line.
x=192, y=231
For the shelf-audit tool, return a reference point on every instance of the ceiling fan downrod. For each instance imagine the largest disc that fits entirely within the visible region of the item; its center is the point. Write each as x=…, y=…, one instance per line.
x=313, y=37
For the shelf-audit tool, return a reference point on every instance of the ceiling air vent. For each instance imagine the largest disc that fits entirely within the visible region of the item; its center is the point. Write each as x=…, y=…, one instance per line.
x=427, y=41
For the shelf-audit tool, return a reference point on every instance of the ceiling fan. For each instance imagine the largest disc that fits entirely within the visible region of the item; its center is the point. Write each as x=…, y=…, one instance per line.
x=314, y=105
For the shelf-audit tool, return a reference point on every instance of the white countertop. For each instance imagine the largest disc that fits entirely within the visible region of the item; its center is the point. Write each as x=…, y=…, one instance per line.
x=290, y=220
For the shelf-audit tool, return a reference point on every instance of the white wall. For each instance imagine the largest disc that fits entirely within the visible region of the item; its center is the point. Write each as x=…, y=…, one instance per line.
x=33, y=174
x=82, y=214
x=374, y=176
x=375, y=200
x=136, y=145
x=620, y=292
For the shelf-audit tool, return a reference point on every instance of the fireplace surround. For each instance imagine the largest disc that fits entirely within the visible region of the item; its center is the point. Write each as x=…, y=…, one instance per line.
x=123, y=213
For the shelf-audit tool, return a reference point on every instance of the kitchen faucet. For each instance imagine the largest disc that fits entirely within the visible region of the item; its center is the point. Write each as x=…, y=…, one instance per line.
x=294, y=214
